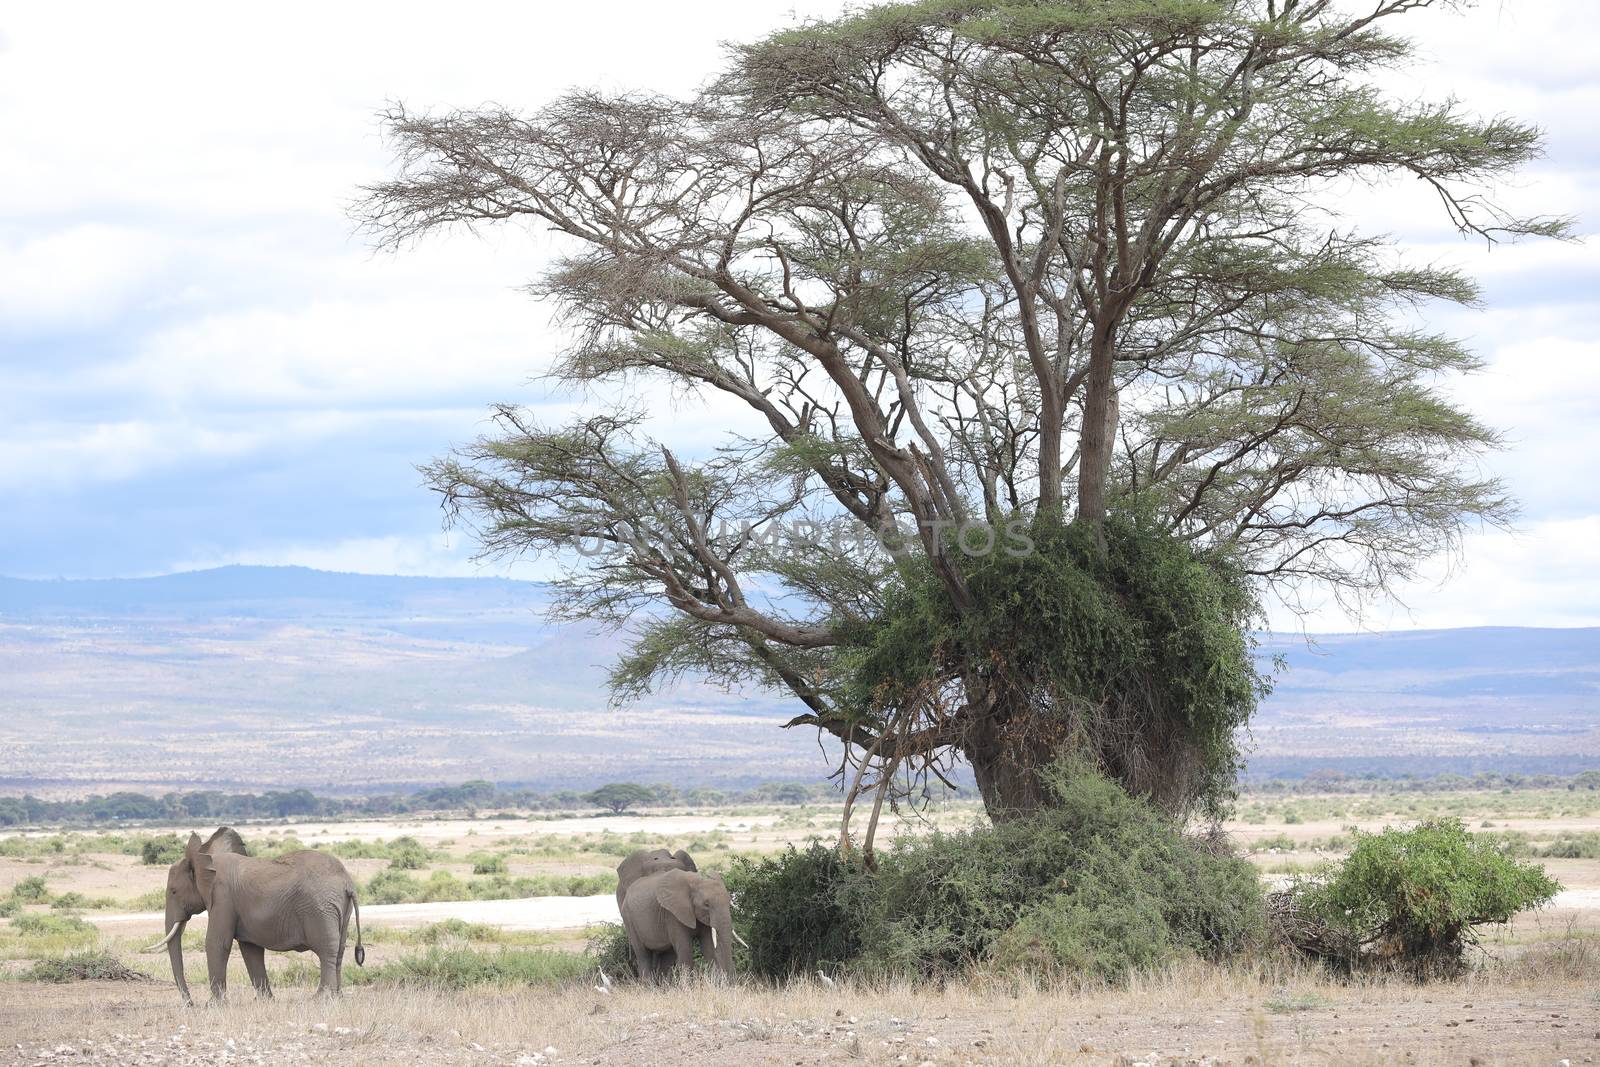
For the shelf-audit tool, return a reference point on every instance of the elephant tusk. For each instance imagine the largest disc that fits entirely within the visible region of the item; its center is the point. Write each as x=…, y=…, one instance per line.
x=741, y=940
x=164, y=940
x=713, y=937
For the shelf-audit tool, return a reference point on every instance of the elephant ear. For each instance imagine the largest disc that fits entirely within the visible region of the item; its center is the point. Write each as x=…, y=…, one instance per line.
x=673, y=894
x=226, y=839
x=205, y=873
x=685, y=860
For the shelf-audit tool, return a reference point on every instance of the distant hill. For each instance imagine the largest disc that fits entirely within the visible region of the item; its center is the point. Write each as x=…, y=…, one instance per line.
x=252, y=677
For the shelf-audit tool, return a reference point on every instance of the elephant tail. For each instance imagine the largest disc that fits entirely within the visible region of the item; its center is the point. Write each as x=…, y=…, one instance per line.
x=355, y=908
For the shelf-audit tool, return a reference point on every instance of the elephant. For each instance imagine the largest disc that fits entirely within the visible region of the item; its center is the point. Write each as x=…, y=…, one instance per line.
x=650, y=861
x=668, y=912
x=299, y=902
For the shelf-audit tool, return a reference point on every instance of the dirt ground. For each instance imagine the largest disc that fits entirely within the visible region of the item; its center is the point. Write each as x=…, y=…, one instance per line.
x=1196, y=1016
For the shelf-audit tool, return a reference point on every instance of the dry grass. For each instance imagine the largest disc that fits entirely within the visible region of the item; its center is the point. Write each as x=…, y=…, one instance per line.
x=1534, y=1011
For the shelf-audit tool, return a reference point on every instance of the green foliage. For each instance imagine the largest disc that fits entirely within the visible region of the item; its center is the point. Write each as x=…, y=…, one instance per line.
x=161, y=851
x=1140, y=653
x=397, y=887
x=944, y=900
x=1411, y=898
x=485, y=863
x=1279, y=842
x=789, y=907
x=455, y=930
x=408, y=854
x=1583, y=845
x=91, y=966
x=9, y=906
x=608, y=950
x=31, y=890
x=1097, y=884
x=462, y=968
x=42, y=925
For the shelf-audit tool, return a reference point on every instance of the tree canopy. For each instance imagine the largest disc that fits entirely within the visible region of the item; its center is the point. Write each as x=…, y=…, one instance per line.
x=1003, y=280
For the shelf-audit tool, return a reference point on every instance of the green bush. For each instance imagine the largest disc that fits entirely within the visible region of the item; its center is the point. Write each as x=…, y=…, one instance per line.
x=408, y=854
x=1281, y=842
x=944, y=900
x=44, y=925
x=455, y=930
x=1572, y=846
x=484, y=863
x=31, y=890
x=608, y=950
x=9, y=907
x=1097, y=885
x=1411, y=898
x=390, y=886
x=791, y=909
x=161, y=851
x=461, y=968
x=1100, y=929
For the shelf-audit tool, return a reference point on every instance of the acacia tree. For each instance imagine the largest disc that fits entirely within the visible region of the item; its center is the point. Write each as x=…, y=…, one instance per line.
x=1065, y=270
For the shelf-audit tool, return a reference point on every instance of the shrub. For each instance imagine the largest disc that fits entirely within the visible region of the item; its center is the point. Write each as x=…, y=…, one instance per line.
x=1096, y=885
x=391, y=887
x=455, y=930
x=608, y=950
x=790, y=908
x=45, y=925
x=9, y=907
x=483, y=863
x=1281, y=842
x=1411, y=898
x=31, y=890
x=161, y=851
x=70, y=902
x=83, y=967
x=1098, y=930
x=1572, y=846
x=460, y=968
x=408, y=854
x=945, y=900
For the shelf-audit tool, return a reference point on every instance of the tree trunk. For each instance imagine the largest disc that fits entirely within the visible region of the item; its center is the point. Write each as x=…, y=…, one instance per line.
x=1007, y=759
x=1098, y=434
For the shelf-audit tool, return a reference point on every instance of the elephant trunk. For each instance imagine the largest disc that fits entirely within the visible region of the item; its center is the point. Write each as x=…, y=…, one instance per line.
x=176, y=922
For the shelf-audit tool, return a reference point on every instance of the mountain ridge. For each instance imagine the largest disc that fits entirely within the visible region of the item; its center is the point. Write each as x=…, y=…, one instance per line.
x=348, y=680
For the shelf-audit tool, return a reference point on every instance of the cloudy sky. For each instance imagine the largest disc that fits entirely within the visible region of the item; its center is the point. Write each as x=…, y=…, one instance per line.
x=200, y=363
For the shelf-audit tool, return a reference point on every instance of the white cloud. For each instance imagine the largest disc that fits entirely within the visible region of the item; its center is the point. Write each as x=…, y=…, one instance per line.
x=78, y=276
x=176, y=262
x=1545, y=573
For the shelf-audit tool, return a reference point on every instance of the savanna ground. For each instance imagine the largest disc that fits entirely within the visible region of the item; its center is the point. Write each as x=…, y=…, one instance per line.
x=482, y=962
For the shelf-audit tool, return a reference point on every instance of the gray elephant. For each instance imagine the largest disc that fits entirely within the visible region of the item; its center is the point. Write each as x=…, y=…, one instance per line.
x=650, y=861
x=664, y=914
x=299, y=902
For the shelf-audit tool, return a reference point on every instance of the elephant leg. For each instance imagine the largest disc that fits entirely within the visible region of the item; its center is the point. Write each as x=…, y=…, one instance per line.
x=329, y=984
x=683, y=947
x=219, y=946
x=255, y=962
